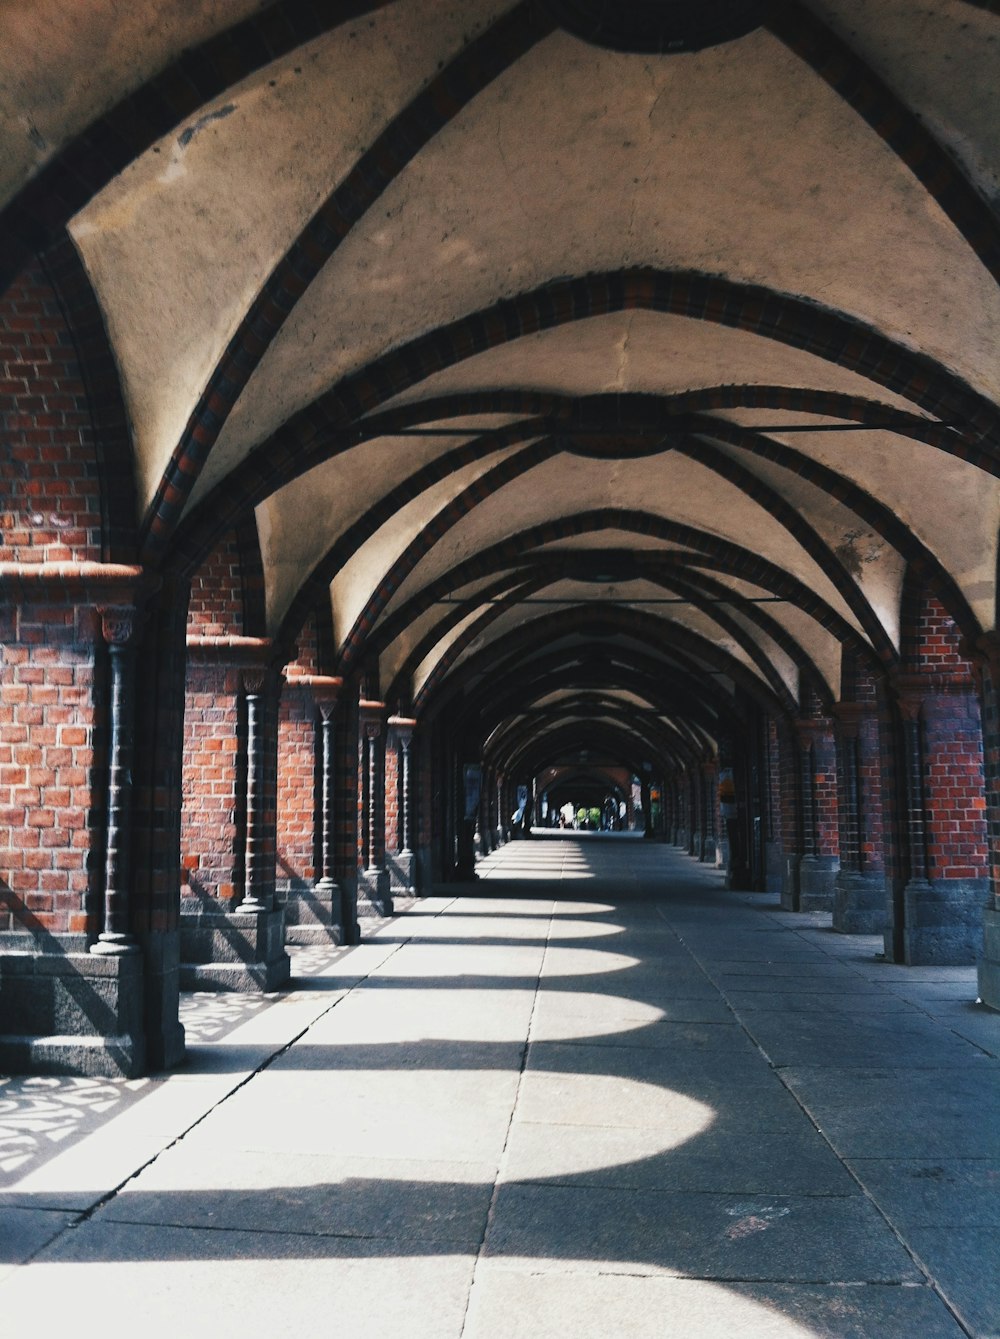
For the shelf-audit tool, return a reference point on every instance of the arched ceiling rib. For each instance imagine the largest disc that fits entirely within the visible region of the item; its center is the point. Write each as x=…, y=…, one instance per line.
x=531, y=357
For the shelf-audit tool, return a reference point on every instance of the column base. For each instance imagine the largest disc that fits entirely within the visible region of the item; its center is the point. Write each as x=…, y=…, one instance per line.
x=773, y=865
x=942, y=922
x=402, y=867
x=161, y=953
x=817, y=880
x=313, y=912
x=374, y=896
x=232, y=950
x=989, y=963
x=71, y=1012
x=788, y=880
x=859, y=903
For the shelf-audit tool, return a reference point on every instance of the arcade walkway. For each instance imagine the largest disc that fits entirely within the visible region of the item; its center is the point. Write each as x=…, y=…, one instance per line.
x=600, y=1097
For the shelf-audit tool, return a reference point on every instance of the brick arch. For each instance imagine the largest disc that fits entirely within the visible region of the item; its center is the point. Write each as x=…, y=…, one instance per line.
x=301, y=446
x=648, y=676
x=730, y=556
x=730, y=626
x=782, y=317
x=535, y=742
x=786, y=319
x=868, y=508
x=482, y=61
x=591, y=736
x=630, y=622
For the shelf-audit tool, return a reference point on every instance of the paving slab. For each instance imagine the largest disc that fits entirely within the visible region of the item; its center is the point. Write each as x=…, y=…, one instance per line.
x=24, y=1231
x=326, y=1158
x=346, y=1196
x=936, y=1192
x=702, y=1234
x=649, y=1158
x=513, y=1304
x=965, y=1264
x=890, y=1112
x=207, y=1283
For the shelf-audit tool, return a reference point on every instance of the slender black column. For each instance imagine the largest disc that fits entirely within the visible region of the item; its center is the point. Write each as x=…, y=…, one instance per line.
x=257, y=895
x=326, y=881
x=118, y=626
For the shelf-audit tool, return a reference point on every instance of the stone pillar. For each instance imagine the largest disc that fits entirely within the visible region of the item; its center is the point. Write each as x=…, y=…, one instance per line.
x=859, y=889
x=402, y=862
x=374, y=894
x=818, y=794
x=988, y=665
x=708, y=789
x=118, y=627
x=945, y=823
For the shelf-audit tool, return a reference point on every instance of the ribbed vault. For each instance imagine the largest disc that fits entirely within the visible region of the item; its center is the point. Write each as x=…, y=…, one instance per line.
x=583, y=391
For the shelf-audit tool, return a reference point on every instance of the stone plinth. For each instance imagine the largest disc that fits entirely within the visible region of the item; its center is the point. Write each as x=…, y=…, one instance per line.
x=232, y=950
x=859, y=902
x=942, y=923
x=71, y=1013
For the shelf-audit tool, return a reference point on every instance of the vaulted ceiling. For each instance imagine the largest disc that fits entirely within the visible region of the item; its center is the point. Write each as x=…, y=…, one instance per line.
x=635, y=379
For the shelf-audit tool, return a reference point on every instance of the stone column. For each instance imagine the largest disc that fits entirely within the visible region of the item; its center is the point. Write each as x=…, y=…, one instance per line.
x=859, y=889
x=708, y=786
x=946, y=832
x=402, y=862
x=316, y=915
x=374, y=896
x=817, y=772
x=118, y=627
x=987, y=662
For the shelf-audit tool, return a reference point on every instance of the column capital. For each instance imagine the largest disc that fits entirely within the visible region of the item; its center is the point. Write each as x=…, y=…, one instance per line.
x=371, y=714
x=403, y=728
x=848, y=717
x=809, y=729
x=325, y=688
x=119, y=623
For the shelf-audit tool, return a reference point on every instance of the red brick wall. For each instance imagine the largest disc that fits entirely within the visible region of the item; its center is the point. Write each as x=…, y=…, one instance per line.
x=50, y=511
x=956, y=788
x=952, y=741
x=51, y=754
x=392, y=796
x=825, y=792
x=297, y=735
x=216, y=605
x=931, y=642
x=209, y=843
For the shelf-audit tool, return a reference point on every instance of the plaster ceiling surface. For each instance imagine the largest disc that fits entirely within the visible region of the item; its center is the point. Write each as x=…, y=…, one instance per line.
x=942, y=58
x=364, y=570
x=180, y=243
x=60, y=68
x=577, y=150
x=647, y=353
x=300, y=522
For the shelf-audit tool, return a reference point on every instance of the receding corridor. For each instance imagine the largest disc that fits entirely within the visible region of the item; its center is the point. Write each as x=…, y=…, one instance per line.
x=596, y=1096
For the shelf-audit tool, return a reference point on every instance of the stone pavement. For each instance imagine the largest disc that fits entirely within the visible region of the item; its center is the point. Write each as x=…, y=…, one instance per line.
x=594, y=1096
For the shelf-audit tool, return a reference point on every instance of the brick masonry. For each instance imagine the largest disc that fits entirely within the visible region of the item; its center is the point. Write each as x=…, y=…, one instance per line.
x=50, y=510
